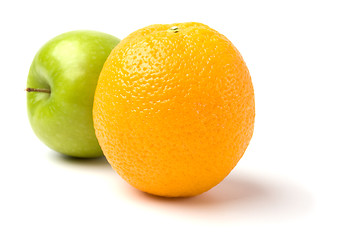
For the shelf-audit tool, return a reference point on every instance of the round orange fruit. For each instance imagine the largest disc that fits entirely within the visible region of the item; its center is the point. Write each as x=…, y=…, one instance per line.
x=174, y=109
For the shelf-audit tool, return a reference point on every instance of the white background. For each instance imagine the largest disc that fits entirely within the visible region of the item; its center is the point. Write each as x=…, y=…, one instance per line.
x=299, y=178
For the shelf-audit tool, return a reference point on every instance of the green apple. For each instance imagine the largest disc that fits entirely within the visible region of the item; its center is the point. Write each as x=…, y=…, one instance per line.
x=60, y=91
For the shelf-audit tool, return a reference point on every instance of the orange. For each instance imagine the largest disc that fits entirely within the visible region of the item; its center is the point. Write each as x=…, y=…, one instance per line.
x=174, y=109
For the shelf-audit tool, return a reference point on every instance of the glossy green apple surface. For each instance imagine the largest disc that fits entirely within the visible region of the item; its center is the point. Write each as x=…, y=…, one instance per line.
x=60, y=91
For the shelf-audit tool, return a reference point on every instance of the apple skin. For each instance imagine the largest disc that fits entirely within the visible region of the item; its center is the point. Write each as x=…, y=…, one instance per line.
x=68, y=66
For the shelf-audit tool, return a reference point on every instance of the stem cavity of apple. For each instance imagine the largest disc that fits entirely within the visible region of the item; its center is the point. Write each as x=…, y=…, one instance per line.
x=37, y=90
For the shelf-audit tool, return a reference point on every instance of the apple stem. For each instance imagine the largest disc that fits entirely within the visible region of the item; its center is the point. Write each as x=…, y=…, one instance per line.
x=37, y=90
